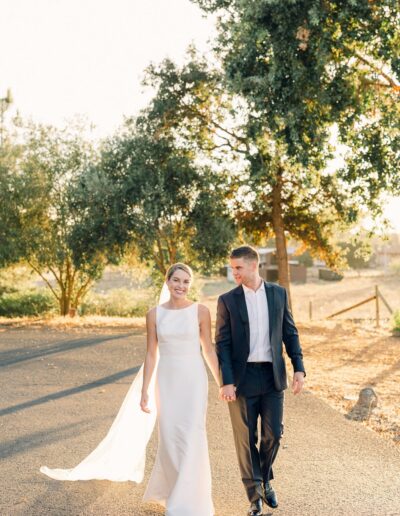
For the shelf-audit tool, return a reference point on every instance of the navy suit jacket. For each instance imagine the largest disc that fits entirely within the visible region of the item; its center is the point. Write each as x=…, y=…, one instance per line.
x=233, y=336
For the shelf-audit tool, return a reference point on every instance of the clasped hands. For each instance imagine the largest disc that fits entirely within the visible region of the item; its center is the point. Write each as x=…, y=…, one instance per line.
x=228, y=392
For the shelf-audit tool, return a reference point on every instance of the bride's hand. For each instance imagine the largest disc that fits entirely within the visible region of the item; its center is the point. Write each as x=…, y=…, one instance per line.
x=227, y=393
x=144, y=402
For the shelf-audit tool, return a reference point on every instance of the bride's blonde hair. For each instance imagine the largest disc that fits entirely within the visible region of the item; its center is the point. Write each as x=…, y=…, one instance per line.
x=178, y=266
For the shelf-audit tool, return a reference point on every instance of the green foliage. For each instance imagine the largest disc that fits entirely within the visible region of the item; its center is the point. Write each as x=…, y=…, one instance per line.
x=396, y=321
x=10, y=182
x=357, y=253
x=37, y=179
x=306, y=70
x=26, y=303
x=305, y=64
x=149, y=189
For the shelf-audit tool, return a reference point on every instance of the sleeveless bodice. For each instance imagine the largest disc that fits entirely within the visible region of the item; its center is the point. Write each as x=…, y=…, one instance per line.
x=178, y=331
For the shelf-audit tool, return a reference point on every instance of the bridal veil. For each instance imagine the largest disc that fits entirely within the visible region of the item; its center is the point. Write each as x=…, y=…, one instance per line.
x=121, y=455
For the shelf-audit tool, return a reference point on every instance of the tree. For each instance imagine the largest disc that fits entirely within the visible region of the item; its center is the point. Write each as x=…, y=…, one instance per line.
x=307, y=69
x=36, y=186
x=10, y=154
x=149, y=192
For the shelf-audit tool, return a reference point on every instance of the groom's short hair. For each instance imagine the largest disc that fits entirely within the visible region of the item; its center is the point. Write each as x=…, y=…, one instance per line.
x=247, y=252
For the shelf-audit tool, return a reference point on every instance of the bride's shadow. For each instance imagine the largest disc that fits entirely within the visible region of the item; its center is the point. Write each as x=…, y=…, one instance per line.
x=87, y=497
x=76, y=497
x=92, y=497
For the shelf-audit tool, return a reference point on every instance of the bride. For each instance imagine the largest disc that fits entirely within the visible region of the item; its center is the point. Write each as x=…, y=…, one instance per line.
x=171, y=385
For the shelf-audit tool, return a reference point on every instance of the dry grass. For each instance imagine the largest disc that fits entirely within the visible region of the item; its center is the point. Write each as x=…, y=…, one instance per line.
x=61, y=323
x=328, y=297
x=342, y=357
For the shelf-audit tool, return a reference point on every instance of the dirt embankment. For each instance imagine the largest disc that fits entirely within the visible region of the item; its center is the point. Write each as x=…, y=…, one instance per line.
x=343, y=357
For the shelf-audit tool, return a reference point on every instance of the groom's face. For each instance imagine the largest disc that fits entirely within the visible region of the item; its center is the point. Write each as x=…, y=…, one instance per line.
x=243, y=271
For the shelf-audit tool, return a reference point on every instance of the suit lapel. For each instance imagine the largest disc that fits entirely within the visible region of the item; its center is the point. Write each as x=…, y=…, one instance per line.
x=271, y=305
x=242, y=308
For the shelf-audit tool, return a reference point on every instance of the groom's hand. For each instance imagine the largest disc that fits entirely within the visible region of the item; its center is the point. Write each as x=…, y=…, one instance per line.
x=298, y=382
x=227, y=393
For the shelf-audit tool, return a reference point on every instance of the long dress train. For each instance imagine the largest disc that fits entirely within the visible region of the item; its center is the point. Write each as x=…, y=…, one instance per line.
x=121, y=455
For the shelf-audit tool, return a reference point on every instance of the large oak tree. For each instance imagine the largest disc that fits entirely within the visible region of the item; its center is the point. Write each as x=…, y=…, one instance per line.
x=307, y=70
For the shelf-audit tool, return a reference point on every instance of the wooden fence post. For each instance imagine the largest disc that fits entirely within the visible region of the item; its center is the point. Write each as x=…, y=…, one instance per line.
x=377, y=305
x=376, y=297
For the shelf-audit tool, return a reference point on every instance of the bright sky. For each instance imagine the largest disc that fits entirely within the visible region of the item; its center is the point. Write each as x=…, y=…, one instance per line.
x=67, y=57
x=62, y=57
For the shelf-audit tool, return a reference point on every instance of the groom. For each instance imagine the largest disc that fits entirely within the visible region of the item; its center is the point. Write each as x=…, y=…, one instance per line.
x=252, y=322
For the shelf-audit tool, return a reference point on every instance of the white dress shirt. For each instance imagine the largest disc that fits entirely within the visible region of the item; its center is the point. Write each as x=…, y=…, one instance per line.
x=257, y=309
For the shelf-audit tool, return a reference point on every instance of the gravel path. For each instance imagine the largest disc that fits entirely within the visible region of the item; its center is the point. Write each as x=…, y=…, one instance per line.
x=60, y=391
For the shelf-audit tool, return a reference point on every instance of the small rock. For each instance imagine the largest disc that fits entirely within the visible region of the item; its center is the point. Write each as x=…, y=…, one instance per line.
x=367, y=398
x=367, y=401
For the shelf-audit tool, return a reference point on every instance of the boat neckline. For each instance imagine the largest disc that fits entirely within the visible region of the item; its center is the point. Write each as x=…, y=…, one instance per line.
x=176, y=309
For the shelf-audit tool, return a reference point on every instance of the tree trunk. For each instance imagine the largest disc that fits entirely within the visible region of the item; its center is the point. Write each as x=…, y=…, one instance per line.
x=159, y=257
x=64, y=303
x=280, y=238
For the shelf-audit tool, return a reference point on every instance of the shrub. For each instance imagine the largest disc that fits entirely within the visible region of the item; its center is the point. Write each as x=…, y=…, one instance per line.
x=26, y=303
x=119, y=302
x=396, y=321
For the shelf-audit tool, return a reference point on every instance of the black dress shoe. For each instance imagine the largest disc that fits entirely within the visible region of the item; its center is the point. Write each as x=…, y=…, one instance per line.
x=270, y=496
x=256, y=508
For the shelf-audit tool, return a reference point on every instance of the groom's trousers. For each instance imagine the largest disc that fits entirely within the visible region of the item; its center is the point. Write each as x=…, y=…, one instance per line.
x=257, y=399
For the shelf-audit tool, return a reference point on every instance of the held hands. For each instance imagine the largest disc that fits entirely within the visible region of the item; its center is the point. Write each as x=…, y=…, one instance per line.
x=298, y=382
x=227, y=393
x=144, y=400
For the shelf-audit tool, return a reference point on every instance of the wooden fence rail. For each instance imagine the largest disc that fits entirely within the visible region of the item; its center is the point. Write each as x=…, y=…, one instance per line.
x=376, y=297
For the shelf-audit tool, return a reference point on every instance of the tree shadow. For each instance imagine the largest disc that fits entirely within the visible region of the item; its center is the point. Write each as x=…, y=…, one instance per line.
x=369, y=351
x=8, y=358
x=384, y=374
x=33, y=440
x=70, y=392
x=69, y=498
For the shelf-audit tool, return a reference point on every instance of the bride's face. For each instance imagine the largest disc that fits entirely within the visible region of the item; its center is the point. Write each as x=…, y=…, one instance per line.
x=179, y=284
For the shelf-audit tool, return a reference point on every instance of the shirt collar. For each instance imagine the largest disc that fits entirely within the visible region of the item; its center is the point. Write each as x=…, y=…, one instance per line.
x=247, y=290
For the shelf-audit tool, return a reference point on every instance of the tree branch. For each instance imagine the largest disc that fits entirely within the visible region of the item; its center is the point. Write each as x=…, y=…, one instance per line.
x=379, y=71
x=44, y=279
x=81, y=291
x=58, y=278
x=215, y=124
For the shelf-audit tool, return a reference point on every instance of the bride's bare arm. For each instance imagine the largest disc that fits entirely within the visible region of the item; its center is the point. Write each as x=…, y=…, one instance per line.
x=209, y=353
x=151, y=357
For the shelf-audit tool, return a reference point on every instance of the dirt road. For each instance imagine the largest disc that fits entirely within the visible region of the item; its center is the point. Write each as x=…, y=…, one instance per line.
x=60, y=391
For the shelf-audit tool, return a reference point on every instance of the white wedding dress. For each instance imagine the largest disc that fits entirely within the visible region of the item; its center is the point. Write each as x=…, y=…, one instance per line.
x=181, y=476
